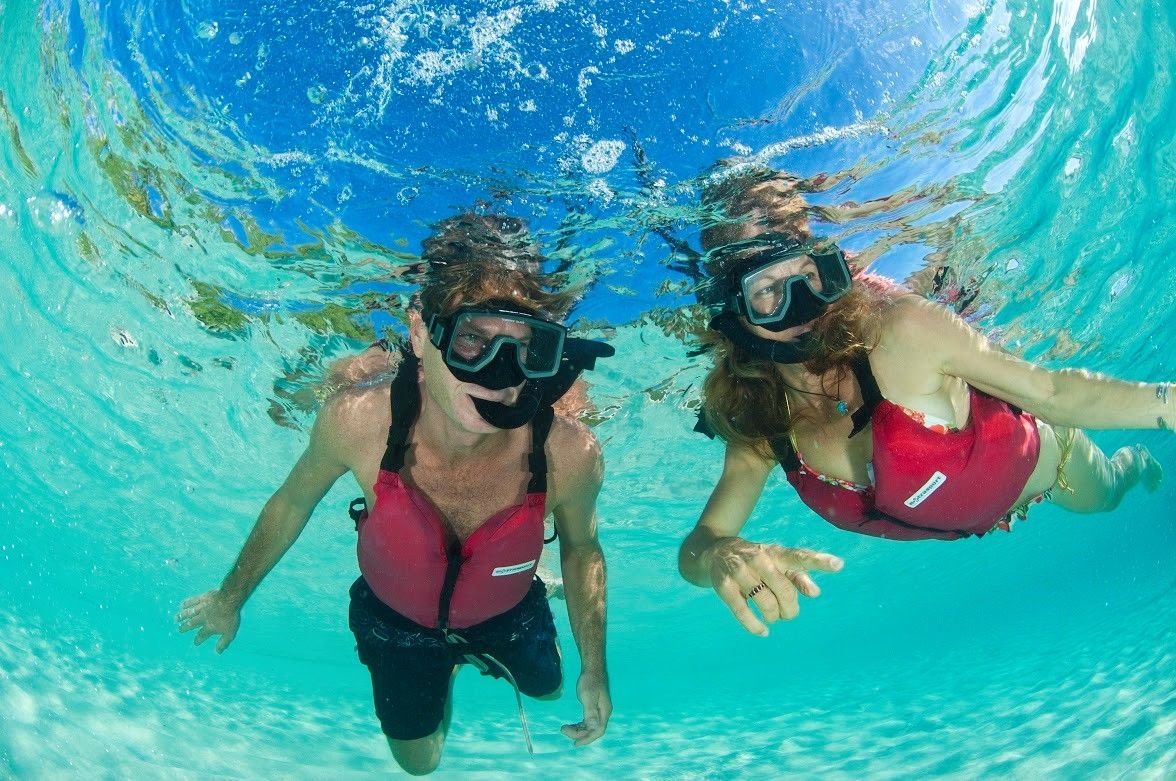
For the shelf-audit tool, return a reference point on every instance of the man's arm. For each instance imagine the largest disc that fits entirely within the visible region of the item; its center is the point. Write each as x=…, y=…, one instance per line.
x=218, y=612
x=578, y=479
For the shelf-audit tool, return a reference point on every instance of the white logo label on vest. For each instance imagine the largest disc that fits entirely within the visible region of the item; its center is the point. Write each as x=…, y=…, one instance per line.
x=930, y=487
x=513, y=569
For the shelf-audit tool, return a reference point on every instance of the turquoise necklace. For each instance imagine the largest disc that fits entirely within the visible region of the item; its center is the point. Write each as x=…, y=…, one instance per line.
x=842, y=404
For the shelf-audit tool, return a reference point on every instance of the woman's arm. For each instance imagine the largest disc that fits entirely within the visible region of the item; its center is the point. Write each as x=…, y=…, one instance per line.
x=1067, y=397
x=738, y=570
x=730, y=505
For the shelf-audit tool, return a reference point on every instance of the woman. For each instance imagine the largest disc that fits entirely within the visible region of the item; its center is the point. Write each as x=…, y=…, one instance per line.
x=890, y=415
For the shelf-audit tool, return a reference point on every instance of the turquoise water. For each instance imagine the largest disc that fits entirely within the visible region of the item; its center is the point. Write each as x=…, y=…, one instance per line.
x=202, y=204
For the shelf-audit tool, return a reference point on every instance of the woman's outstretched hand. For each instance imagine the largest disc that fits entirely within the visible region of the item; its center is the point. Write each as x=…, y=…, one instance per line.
x=770, y=576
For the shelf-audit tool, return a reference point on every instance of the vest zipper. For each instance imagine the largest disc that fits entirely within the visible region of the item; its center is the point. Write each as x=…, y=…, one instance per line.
x=452, y=570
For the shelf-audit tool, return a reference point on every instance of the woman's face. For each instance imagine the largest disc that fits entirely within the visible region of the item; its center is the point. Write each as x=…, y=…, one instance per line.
x=765, y=290
x=779, y=209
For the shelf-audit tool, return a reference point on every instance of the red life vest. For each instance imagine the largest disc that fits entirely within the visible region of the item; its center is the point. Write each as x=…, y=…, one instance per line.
x=403, y=551
x=927, y=484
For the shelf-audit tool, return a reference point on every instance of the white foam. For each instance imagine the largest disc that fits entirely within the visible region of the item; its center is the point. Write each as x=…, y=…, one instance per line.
x=599, y=189
x=602, y=156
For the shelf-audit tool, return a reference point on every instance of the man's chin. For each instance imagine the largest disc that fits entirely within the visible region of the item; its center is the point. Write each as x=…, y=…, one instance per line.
x=476, y=414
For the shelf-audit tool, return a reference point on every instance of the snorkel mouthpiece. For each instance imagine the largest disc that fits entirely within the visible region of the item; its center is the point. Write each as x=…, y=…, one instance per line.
x=795, y=351
x=498, y=345
x=579, y=355
x=502, y=415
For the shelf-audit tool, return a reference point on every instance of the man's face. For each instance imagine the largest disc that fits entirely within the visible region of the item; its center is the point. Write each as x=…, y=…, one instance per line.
x=452, y=396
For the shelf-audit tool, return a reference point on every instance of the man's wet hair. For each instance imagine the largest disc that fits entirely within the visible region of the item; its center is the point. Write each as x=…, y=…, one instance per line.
x=474, y=258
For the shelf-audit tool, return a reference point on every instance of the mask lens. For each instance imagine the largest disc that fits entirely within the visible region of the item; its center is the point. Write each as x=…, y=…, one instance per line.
x=473, y=338
x=478, y=338
x=768, y=290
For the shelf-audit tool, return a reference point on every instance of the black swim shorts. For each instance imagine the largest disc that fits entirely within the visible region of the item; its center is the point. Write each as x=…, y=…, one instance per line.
x=411, y=664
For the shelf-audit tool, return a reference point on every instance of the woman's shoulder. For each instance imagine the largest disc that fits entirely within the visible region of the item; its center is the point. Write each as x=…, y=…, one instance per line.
x=909, y=316
x=912, y=331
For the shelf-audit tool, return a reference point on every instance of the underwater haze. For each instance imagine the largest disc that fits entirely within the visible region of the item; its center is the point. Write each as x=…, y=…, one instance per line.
x=203, y=204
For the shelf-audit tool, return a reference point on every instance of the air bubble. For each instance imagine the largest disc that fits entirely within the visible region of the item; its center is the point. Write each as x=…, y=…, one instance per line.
x=316, y=94
x=207, y=30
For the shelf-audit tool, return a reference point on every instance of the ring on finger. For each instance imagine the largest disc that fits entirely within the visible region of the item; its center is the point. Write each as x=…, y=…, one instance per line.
x=756, y=589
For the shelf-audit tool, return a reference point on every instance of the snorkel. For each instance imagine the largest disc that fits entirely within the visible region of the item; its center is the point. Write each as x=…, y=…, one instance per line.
x=579, y=355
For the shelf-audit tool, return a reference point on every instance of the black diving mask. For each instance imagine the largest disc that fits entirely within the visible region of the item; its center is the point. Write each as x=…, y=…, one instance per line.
x=498, y=344
x=779, y=283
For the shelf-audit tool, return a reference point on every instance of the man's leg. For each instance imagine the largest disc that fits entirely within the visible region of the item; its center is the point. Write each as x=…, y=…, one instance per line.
x=421, y=757
x=523, y=641
x=412, y=673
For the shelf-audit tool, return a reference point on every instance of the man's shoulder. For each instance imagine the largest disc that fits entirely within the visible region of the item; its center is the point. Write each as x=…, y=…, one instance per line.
x=356, y=410
x=574, y=448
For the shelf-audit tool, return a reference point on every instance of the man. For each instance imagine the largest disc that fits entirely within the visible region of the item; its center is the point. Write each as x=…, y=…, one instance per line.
x=460, y=459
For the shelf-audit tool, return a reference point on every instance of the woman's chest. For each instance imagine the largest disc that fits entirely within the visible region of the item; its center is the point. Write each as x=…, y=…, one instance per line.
x=830, y=450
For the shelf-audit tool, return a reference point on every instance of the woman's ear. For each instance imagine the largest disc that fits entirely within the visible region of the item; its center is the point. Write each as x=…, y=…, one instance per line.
x=417, y=333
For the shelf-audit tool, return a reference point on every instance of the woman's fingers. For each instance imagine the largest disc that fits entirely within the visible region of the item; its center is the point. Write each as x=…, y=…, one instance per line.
x=804, y=584
x=805, y=559
x=735, y=598
x=782, y=595
x=766, y=602
x=769, y=576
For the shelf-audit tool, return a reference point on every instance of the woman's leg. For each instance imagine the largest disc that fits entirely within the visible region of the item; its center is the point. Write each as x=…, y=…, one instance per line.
x=1089, y=482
